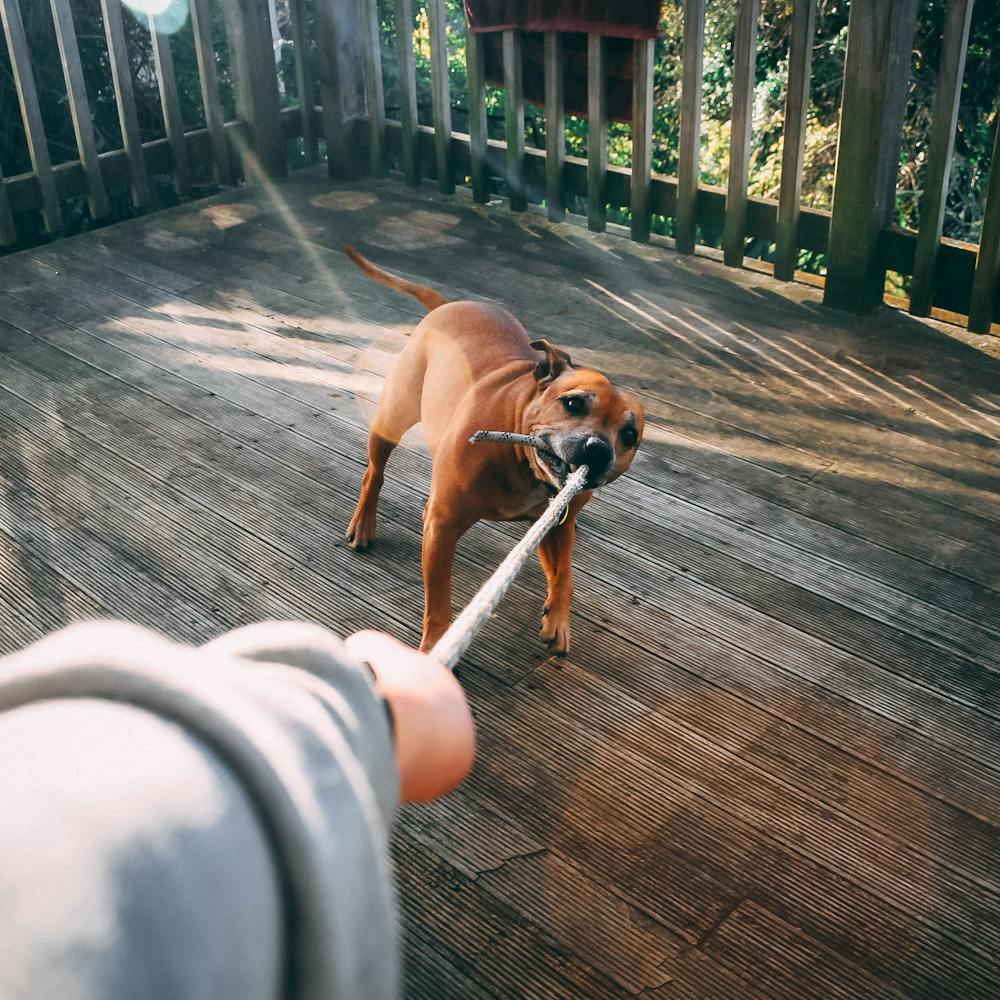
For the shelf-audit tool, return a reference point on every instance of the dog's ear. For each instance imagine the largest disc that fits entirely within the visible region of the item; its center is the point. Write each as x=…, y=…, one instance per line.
x=555, y=362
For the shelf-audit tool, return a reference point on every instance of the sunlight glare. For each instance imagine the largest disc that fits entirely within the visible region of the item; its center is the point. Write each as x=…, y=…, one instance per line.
x=170, y=15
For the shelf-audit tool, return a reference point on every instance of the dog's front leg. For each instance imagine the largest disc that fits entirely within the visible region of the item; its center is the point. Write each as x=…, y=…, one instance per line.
x=440, y=540
x=555, y=553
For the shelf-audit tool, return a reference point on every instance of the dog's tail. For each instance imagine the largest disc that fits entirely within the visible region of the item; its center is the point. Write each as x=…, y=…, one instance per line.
x=425, y=296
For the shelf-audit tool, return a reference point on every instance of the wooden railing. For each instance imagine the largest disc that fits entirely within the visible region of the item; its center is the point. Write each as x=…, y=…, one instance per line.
x=338, y=76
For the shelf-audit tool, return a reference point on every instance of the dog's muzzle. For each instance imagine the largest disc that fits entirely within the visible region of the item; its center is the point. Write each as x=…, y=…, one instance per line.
x=561, y=458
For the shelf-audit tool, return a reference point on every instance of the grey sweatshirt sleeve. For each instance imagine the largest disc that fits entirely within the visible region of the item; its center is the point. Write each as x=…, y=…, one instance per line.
x=184, y=823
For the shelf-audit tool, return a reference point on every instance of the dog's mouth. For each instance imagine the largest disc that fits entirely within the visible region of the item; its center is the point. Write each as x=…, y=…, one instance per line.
x=555, y=468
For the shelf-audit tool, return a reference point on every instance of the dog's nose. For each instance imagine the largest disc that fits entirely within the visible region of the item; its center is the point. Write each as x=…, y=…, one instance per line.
x=597, y=453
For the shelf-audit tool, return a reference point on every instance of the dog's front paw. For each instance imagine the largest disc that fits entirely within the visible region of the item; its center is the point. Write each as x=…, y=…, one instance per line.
x=361, y=531
x=555, y=632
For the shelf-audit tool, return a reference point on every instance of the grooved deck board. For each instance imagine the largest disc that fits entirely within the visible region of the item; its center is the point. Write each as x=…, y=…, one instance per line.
x=770, y=764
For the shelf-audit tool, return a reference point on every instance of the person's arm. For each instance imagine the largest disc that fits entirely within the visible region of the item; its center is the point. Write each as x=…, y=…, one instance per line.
x=178, y=800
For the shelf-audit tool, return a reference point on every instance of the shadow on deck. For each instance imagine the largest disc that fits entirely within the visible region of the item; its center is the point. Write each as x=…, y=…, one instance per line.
x=770, y=764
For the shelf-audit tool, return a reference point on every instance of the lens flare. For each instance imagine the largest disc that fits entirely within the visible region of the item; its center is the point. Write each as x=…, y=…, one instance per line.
x=151, y=8
x=168, y=16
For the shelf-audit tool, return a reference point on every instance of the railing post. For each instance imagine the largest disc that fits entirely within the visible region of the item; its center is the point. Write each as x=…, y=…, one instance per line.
x=407, y=80
x=514, y=120
x=876, y=74
x=255, y=84
x=555, y=126
x=793, y=150
x=597, y=133
x=689, y=155
x=744, y=66
x=984, y=282
x=954, y=45
x=341, y=57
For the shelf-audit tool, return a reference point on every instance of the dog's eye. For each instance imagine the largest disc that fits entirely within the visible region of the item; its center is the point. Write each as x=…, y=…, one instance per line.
x=574, y=404
x=629, y=436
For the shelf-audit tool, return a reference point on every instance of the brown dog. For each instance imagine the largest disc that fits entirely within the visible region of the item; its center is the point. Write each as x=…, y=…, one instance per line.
x=470, y=366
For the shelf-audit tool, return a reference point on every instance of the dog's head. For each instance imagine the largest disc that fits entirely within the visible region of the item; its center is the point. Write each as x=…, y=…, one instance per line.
x=583, y=419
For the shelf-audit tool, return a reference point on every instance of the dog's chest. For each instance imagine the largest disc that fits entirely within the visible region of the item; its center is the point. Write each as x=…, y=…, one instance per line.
x=515, y=504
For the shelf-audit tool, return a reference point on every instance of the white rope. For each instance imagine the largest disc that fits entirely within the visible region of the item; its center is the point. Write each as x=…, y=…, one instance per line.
x=450, y=647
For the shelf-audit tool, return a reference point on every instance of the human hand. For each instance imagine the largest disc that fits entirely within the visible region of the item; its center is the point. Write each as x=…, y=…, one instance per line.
x=434, y=731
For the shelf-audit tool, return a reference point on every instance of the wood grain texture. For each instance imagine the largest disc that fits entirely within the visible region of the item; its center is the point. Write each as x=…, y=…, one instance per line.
x=689, y=154
x=441, y=95
x=79, y=107
x=597, y=135
x=744, y=77
x=951, y=69
x=8, y=232
x=514, y=120
x=208, y=79
x=374, y=90
x=876, y=75
x=642, y=137
x=31, y=113
x=305, y=82
x=170, y=104
x=982, y=308
x=769, y=766
x=128, y=118
x=555, y=126
x=478, y=133
x=803, y=30
x=255, y=86
x=407, y=81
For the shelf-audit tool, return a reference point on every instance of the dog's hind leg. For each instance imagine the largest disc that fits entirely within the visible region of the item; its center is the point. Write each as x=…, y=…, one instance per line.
x=398, y=410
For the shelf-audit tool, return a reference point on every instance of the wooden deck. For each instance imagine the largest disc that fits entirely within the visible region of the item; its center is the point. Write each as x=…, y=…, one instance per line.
x=770, y=766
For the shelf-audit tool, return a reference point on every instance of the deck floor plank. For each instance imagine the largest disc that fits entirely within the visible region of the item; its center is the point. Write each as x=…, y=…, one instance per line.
x=796, y=461
x=255, y=394
x=445, y=257
x=770, y=766
x=976, y=641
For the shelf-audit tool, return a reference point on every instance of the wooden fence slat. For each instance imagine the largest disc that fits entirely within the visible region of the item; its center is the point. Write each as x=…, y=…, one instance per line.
x=170, y=103
x=79, y=107
x=478, y=133
x=597, y=134
x=744, y=67
x=514, y=120
x=31, y=113
x=689, y=154
x=303, y=77
x=803, y=30
x=440, y=94
x=642, y=136
x=876, y=77
x=984, y=283
x=555, y=126
x=406, y=71
x=942, y=142
x=128, y=118
x=8, y=232
x=261, y=138
x=374, y=89
x=204, y=48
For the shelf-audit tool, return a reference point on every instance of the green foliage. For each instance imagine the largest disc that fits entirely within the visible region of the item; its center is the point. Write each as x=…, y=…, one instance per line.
x=973, y=143
x=977, y=122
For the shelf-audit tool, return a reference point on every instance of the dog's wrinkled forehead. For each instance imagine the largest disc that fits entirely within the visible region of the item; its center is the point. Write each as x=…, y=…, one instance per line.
x=602, y=397
x=598, y=398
